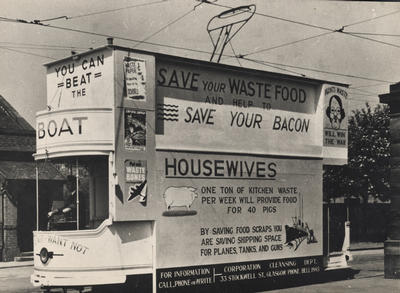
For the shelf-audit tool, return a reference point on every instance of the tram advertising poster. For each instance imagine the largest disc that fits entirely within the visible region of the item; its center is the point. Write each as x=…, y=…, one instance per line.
x=135, y=78
x=335, y=121
x=237, y=218
x=203, y=109
x=136, y=181
x=135, y=130
x=335, y=118
x=193, y=125
x=87, y=81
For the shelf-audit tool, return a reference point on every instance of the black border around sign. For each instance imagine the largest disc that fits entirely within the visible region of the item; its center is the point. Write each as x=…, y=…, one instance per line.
x=240, y=277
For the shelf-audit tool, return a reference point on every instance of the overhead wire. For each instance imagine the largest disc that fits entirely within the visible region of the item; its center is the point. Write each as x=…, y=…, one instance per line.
x=324, y=34
x=375, y=34
x=234, y=53
x=369, y=39
x=270, y=64
x=39, y=48
x=6, y=19
x=28, y=53
x=165, y=26
x=273, y=66
x=320, y=35
x=372, y=18
x=341, y=30
x=288, y=44
x=44, y=45
x=316, y=70
x=273, y=17
x=283, y=19
x=113, y=36
x=102, y=11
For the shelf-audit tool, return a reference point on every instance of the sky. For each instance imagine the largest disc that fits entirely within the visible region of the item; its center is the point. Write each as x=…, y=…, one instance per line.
x=276, y=30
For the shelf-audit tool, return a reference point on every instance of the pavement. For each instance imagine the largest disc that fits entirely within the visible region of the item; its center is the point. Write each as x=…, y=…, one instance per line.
x=368, y=269
x=367, y=272
x=17, y=280
x=15, y=264
x=366, y=246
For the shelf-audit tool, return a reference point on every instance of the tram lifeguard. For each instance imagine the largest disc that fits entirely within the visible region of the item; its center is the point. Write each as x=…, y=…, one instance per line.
x=161, y=168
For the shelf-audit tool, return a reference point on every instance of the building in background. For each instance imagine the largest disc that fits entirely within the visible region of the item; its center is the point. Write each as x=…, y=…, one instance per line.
x=392, y=244
x=17, y=179
x=17, y=183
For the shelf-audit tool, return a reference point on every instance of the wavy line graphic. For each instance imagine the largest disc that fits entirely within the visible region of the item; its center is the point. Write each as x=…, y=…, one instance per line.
x=169, y=110
x=169, y=115
x=168, y=105
x=167, y=119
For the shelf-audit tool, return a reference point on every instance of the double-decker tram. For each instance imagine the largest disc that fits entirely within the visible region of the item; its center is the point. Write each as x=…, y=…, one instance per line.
x=173, y=174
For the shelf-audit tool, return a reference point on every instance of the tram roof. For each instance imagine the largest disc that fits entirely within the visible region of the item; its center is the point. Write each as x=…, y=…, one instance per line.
x=201, y=63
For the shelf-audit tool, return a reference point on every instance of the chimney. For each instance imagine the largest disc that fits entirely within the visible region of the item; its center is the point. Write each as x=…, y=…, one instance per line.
x=395, y=88
x=110, y=41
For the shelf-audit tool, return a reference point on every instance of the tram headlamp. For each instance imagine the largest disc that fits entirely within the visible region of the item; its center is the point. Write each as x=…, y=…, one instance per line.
x=45, y=255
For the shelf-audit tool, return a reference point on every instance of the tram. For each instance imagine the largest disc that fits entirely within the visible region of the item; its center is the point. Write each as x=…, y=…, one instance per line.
x=181, y=174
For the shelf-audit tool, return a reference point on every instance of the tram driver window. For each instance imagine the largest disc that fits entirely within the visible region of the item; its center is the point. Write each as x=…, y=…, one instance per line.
x=81, y=199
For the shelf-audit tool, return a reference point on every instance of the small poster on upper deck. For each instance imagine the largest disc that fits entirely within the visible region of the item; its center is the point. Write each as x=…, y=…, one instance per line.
x=135, y=78
x=136, y=182
x=335, y=117
x=135, y=130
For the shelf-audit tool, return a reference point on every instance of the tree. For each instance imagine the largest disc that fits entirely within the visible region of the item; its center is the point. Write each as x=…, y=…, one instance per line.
x=367, y=172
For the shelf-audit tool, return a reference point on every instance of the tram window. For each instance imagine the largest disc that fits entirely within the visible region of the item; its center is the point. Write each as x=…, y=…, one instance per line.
x=78, y=197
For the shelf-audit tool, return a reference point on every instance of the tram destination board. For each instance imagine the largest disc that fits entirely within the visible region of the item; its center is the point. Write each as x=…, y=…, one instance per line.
x=209, y=277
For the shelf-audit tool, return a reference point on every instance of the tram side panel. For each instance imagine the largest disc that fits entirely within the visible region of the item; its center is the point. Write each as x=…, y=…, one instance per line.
x=239, y=212
x=174, y=110
x=227, y=206
x=229, y=218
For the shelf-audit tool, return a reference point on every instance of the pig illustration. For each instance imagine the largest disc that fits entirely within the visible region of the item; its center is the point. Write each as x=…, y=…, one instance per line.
x=179, y=196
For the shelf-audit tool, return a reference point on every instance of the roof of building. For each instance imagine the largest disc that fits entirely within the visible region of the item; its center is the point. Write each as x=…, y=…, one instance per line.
x=16, y=134
x=10, y=120
x=17, y=143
